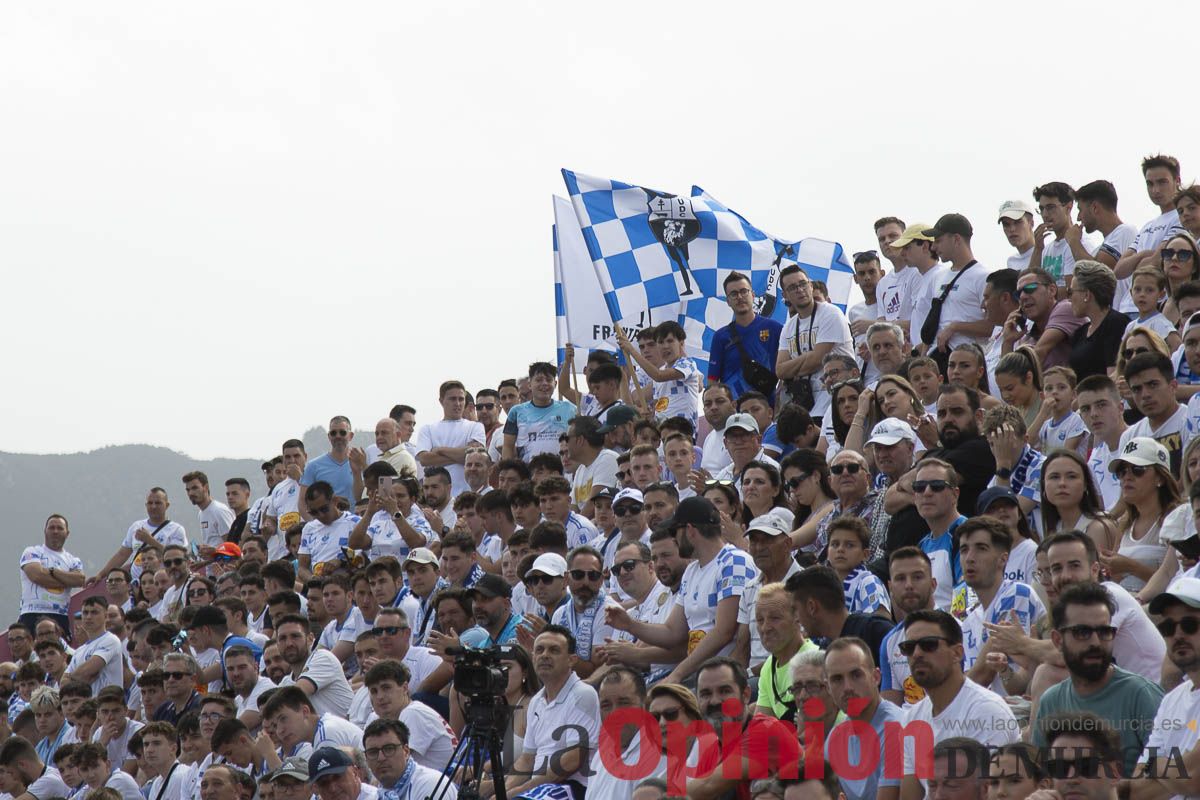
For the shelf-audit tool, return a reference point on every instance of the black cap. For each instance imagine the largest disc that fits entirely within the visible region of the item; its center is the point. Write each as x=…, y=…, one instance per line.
x=492, y=586
x=617, y=416
x=327, y=761
x=951, y=223
x=694, y=511
x=208, y=615
x=993, y=494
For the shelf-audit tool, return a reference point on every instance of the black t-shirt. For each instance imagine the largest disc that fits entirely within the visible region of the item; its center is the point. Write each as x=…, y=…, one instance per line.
x=870, y=628
x=976, y=467
x=1093, y=355
x=905, y=529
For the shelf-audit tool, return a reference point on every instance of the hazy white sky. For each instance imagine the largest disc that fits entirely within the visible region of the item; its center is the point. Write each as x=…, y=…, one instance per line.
x=222, y=223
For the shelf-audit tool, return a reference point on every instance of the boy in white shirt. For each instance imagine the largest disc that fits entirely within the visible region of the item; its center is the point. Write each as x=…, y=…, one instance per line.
x=677, y=384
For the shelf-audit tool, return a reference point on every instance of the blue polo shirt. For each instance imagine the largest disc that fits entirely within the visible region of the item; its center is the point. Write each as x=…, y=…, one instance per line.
x=339, y=476
x=760, y=340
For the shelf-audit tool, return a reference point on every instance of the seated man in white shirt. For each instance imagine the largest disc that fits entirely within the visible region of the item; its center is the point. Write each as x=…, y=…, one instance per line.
x=298, y=728
x=431, y=740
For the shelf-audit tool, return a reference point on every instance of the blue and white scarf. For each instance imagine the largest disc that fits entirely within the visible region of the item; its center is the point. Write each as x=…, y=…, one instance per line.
x=582, y=624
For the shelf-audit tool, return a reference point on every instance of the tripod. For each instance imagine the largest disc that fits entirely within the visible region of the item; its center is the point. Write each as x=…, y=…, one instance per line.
x=482, y=741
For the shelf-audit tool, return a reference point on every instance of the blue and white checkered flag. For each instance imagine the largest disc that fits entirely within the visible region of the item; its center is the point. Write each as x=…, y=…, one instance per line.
x=560, y=308
x=736, y=245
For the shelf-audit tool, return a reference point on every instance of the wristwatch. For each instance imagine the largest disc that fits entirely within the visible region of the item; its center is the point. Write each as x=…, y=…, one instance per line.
x=1004, y=473
x=398, y=515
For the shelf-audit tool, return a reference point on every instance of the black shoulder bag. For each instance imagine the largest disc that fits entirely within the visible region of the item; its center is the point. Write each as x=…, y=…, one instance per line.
x=933, y=321
x=759, y=377
x=800, y=388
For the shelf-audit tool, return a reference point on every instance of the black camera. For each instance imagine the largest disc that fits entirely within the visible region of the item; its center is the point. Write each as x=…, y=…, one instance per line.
x=480, y=673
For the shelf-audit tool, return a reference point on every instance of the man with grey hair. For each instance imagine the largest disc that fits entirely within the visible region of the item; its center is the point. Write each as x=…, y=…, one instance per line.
x=810, y=692
x=885, y=350
x=179, y=686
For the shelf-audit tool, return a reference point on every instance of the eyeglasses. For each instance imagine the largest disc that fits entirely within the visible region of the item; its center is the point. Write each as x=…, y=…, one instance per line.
x=177, y=676
x=808, y=687
x=197, y=593
x=628, y=565
x=1189, y=626
x=316, y=512
x=669, y=714
x=1030, y=288
x=838, y=469
x=628, y=510
x=212, y=716
x=928, y=644
x=919, y=487
x=1171, y=254
x=865, y=254
x=1137, y=469
x=797, y=480
x=1133, y=351
x=1080, y=766
x=339, y=434
x=390, y=630
x=173, y=562
x=386, y=751
x=589, y=574
x=797, y=285
x=739, y=293
x=1081, y=633
x=536, y=580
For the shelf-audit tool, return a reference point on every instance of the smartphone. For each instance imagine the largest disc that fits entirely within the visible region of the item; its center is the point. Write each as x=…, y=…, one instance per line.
x=385, y=482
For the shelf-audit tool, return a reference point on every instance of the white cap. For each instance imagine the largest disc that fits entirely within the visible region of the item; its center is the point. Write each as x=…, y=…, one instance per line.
x=421, y=555
x=1185, y=590
x=769, y=524
x=1142, y=451
x=1014, y=209
x=551, y=564
x=743, y=421
x=890, y=431
x=629, y=494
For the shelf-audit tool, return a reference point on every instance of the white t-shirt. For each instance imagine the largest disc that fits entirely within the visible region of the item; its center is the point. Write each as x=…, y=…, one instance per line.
x=1138, y=646
x=863, y=311
x=422, y=784
x=333, y=693
x=1156, y=231
x=421, y=663
x=920, y=297
x=285, y=508
x=1022, y=562
x=746, y=604
x=1157, y=323
x=451, y=433
x=385, y=535
x=571, y=619
x=323, y=542
x=250, y=702
x=679, y=397
x=702, y=588
x=38, y=599
x=346, y=630
x=890, y=292
x=1020, y=261
x=1174, y=726
x=123, y=783
x=552, y=726
x=118, y=748
x=215, y=521
x=714, y=457
x=170, y=533
x=1170, y=434
x=975, y=712
x=601, y=472
x=1116, y=243
x=107, y=647
x=336, y=731
x=654, y=609
x=1059, y=261
x=432, y=740
x=1108, y=484
x=48, y=784
x=964, y=303
x=1055, y=433
x=174, y=789
x=827, y=324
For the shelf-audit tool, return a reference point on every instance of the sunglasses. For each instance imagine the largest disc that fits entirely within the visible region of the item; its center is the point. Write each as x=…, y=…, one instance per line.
x=339, y=434
x=797, y=480
x=632, y=509
x=1189, y=626
x=485, y=406
x=1082, y=633
x=722, y=482
x=173, y=562
x=316, y=512
x=1080, y=766
x=838, y=469
x=1030, y=288
x=537, y=580
x=620, y=475
x=1137, y=469
x=390, y=630
x=919, y=487
x=928, y=644
x=628, y=565
x=1171, y=254
x=669, y=714
x=1133, y=351
x=177, y=676
x=589, y=574
x=197, y=593
x=865, y=254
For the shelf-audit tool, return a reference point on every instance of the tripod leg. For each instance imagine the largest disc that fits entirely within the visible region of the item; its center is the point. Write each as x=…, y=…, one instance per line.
x=495, y=745
x=439, y=790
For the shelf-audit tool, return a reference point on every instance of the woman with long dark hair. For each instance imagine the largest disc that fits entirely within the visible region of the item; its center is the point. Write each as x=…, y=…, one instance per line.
x=762, y=491
x=1071, y=501
x=807, y=481
x=1149, y=492
x=843, y=404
